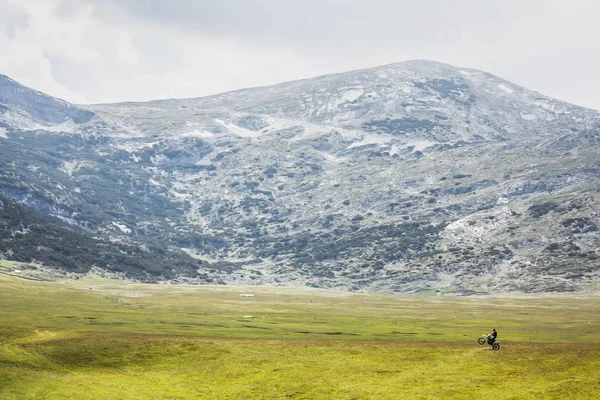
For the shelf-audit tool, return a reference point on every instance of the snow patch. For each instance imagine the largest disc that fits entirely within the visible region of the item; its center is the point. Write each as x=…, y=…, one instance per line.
x=277, y=124
x=197, y=132
x=179, y=196
x=20, y=121
x=238, y=131
x=502, y=201
x=505, y=88
x=306, y=129
x=123, y=228
x=419, y=145
x=70, y=166
x=135, y=145
x=477, y=227
x=68, y=126
x=345, y=96
x=3, y=133
x=351, y=95
x=331, y=158
x=369, y=139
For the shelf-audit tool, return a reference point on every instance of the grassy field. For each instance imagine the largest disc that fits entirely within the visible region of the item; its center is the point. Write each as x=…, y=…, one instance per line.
x=101, y=339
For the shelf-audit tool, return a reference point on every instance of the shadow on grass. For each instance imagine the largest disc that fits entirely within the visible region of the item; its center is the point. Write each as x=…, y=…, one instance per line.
x=115, y=351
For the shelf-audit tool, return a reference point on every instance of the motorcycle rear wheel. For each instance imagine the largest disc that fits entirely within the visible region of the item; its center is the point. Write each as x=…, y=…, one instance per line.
x=496, y=346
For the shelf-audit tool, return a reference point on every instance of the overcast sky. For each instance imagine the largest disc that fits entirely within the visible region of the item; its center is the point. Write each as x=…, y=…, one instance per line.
x=91, y=51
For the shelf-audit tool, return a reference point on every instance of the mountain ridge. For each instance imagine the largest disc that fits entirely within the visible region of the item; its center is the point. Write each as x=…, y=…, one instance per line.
x=38, y=107
x=234, y=91
x=334, y=74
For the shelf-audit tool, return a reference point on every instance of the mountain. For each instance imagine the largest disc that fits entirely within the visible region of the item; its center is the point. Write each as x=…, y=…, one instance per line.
x=26, y=108
x=410, y=177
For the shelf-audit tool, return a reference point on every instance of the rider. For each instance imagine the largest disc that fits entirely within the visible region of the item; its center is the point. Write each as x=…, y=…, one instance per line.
x=492, y=337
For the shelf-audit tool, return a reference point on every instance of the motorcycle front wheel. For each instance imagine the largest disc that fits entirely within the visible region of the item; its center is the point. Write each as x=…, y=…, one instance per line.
x=481, y=341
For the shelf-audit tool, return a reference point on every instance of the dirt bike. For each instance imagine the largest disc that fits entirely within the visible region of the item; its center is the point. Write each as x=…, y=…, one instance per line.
x=488, y=338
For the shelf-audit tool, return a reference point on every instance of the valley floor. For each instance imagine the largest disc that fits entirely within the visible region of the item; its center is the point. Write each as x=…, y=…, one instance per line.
x=101, y=339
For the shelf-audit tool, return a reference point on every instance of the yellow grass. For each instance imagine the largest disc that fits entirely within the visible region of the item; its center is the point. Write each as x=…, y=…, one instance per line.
x=111, y=340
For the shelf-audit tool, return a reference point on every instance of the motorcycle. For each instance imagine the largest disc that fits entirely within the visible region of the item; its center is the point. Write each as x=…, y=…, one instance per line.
x=488, y=339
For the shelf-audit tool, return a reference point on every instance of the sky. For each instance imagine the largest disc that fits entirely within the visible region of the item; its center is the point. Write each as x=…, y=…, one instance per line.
x=98, y=51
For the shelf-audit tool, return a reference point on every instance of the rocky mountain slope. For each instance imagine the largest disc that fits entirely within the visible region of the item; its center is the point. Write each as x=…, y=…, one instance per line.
x=415, y=176
x=25, y=108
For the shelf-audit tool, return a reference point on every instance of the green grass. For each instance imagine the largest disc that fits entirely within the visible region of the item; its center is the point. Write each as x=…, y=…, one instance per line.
x=111, y=340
